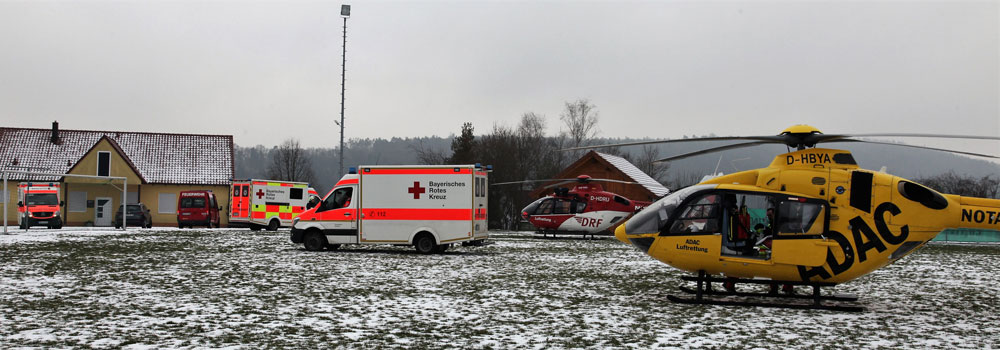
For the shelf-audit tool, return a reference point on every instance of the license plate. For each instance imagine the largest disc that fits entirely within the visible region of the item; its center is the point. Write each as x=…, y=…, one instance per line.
x=185, y=214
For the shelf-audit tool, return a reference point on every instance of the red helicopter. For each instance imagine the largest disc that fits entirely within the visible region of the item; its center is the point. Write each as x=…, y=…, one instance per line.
x=585, y=209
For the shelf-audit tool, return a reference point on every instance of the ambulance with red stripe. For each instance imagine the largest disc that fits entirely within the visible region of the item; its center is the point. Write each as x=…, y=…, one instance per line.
x=39, y=205
x=268, y=204
x=429, y=207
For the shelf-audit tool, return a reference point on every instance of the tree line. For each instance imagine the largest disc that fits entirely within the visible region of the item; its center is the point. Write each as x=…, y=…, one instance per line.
x=525, y=152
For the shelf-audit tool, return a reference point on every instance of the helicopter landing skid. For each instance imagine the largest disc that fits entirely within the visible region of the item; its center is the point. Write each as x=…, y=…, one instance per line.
x=704, y=294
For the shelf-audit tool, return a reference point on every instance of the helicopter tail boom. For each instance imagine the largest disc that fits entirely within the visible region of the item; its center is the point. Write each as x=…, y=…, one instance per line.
x=979, y=213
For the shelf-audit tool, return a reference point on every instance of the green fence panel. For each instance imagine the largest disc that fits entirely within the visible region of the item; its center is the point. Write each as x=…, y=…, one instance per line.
x=968, y=235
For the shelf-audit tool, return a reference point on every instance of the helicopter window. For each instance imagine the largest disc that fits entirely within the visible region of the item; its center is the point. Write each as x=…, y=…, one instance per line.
x=922, y=195
x=701, y=215
x=655, y=217
x=545, y=207
x=622, y=200
x=580, y=206
x=561, y=206
x=800, y=218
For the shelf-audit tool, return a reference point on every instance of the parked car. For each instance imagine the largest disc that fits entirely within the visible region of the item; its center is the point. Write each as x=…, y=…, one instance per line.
x=138, y=216
x=197, y=208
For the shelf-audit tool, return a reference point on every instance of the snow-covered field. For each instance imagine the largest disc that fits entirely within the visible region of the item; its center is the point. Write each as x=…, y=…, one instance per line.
x=169, y=288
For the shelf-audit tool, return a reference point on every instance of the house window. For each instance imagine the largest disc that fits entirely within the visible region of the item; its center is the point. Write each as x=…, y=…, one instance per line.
x=103, y=163
x=166, y=203
x=77, y=202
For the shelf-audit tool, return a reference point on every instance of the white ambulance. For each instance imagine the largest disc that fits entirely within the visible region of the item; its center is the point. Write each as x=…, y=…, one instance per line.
x=428, y=206
x=268, y=203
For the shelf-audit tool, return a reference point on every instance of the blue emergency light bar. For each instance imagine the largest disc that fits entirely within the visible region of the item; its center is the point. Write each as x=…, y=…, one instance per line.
x=352, y=170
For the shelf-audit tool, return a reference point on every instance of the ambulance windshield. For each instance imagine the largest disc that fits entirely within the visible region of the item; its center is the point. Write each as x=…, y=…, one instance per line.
x=42, y=199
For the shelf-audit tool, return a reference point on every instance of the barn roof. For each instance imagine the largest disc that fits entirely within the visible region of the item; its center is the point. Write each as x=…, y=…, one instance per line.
x=623, y=167
x=158, y=158
x=637, y=175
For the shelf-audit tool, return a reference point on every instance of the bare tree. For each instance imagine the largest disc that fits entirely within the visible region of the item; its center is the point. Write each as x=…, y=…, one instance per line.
x=984, y=187
x=289, y=163
x=645, y=162
x=427, y=155
x=580, y=118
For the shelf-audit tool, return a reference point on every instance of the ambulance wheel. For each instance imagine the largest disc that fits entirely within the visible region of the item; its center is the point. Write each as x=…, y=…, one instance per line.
x=273, y=225
x=440, y=248
x=424, y=243
x=22, y=225
x=314, y=241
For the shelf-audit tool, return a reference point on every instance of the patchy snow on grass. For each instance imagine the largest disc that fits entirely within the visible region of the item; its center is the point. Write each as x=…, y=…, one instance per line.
x=192, y=289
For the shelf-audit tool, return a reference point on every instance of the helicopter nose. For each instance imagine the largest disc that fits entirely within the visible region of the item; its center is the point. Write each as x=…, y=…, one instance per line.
x=641, y=241
x=620, y=234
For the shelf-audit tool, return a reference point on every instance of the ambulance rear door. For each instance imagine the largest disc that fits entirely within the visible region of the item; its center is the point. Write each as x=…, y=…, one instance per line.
x=480, y=203
x=239, y=201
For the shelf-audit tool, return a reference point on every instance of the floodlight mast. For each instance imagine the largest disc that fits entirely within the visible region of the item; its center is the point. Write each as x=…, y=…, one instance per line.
x=345, y=12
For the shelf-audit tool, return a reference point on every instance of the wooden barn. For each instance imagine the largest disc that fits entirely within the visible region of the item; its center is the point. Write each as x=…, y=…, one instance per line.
x=605, y=166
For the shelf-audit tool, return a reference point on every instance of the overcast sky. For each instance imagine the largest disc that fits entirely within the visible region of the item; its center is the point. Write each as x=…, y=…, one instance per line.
x=267, y=71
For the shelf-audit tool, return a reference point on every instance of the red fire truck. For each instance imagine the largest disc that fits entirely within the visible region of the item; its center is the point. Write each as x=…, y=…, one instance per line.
x=428, y=206
x=39, y=205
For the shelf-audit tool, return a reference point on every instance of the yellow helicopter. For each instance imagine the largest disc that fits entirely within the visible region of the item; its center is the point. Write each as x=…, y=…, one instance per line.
x=811, y=218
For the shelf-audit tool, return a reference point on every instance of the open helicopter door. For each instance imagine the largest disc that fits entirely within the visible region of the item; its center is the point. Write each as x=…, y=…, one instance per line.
x=798, y=234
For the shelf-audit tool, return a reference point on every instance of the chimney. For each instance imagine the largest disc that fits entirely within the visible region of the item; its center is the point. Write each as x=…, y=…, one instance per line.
x=55, y=132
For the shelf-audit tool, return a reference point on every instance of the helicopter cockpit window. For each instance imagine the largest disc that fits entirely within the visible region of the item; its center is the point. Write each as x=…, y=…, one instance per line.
x=700, y=215
x=545, y=207
x=622, y=200
x=653, y=218
x=580, y=206
x=800, y=218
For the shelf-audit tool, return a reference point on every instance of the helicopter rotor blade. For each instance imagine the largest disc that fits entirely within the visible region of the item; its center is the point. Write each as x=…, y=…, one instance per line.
x=766, y=139
x=711, y=150
x=529, y=181
x=920, y=147
x=591, y=180
x=560, y=183
x=968, y=137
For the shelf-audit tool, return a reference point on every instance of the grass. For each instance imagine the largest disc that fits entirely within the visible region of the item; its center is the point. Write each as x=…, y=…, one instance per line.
x=197, y=289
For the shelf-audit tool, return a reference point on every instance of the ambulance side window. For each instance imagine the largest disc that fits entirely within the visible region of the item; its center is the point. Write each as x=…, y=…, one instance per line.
x=340, y=198
x=295, y=193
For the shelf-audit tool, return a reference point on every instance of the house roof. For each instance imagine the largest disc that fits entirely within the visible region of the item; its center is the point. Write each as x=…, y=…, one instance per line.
x=637, y=175
x=158, y=158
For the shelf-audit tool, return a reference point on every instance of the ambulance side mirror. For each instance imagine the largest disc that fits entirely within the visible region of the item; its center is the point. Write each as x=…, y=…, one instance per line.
x=62, y=203
x=20, y=204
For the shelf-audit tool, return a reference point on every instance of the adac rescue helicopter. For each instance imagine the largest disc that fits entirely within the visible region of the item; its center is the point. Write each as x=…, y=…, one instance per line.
x=811, y=218
x=584, y=209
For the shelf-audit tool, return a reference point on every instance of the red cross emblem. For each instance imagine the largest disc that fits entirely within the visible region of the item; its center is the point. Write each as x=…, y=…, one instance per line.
x=260, y=194
x=416, y=190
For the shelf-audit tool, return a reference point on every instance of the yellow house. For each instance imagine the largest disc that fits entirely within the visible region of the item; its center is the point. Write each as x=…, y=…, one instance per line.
x=157, y=167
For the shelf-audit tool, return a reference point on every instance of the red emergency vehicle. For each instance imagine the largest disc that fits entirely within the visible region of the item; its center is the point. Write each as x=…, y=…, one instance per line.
x=428, y=206
x=39, y=204
x=197, y=208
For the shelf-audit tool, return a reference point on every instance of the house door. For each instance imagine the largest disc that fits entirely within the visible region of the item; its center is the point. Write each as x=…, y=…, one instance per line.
x=102, y=211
